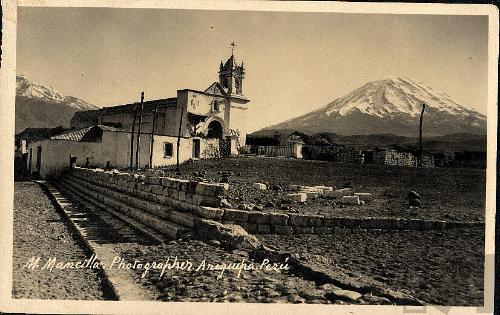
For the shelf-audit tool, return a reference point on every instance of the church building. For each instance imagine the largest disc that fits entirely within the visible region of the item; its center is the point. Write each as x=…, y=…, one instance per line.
x=203, y=124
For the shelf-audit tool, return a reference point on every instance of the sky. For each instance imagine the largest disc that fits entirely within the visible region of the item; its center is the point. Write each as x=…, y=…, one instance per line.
x=295, y=62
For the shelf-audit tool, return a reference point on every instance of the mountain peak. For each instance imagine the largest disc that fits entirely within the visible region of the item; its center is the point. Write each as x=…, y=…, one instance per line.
x=396, y=95
x=390, y=105
x=38, y=106
x=30, y=90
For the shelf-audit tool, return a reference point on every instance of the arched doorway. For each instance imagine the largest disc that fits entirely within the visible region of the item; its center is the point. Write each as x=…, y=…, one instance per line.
x=215, y=130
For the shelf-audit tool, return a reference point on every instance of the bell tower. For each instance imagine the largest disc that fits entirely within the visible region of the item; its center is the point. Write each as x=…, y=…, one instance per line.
x=231, y=75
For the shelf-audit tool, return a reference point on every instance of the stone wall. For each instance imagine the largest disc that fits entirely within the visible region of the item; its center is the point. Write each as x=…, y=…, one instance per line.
x=153, y=199
x=290, y=150
x=335, y=153
x=399, y=158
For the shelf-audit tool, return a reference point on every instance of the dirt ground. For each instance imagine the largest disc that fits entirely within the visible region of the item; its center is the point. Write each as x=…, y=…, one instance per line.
x=252, y=286
x=40, y=231
x=447, y=194
x=439, y=267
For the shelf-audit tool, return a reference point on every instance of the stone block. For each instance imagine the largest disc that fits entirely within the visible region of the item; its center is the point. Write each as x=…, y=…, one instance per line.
x=347, y=295
x=235, y=215
x=156, y=189
x=139, y=178
x=152, y=180
x=173, y=193
x=132, y=185
x=333, y=222
x=202, y=200
x=259, y=186
x=192, y=207
x=191, y=187
x=364, y=196
x=209, y=212
x=184, y=219
x=258, y=217
x=326, y=188
x=181, y=184
x=311, y=194
x=324, y=230
x=182, y=196
x=315, y=220
x=303, y=230
x=189, y=197
x=167, y=182
x=339, y=193
x=184, y=206
x=249, y=227
x=350, y=200
x=297, y=197
x=212, y=189
x=233, y=235
x=278, y=219
x=173, y=183
x=263, y=229
x=282, y=229
x=161, y=199
x=350, y=223
x=296, y=219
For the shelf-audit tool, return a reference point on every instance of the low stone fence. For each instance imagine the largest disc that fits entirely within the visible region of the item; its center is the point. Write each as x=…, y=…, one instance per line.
x=289, y=150
x=393, y=157
x=183, y=201
x=334, y=153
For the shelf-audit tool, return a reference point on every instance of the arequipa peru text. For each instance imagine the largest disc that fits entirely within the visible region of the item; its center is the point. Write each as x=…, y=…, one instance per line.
x=171, y=263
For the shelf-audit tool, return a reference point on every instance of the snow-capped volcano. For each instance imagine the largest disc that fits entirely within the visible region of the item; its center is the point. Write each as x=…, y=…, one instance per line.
x=390, y=106
x=38, y=106
x=31, y=90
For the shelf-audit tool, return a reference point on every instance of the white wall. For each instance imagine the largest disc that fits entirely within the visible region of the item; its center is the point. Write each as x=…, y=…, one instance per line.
x=115, y=147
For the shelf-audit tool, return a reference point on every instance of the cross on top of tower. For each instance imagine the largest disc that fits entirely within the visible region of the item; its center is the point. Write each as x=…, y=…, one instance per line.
x=232, y=48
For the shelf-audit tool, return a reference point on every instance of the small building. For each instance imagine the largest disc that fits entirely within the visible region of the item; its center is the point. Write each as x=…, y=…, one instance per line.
x=208, y=124
x=33, y=134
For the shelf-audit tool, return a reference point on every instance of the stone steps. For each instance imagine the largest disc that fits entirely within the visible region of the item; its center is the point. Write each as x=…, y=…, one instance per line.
x=161, y=224
x=98, y=206
x=163, y=211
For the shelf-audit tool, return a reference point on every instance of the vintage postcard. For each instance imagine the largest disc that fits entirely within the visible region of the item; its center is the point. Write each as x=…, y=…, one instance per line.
x=248, y=157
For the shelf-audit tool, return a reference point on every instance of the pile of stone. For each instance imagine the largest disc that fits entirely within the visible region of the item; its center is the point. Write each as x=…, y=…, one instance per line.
x=345, y=195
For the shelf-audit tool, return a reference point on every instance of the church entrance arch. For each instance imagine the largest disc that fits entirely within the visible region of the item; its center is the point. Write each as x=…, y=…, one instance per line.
x=215, y=130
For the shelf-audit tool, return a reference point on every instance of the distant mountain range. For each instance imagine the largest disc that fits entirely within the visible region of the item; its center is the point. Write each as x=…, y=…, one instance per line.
x=391, y=106
x=38, y=106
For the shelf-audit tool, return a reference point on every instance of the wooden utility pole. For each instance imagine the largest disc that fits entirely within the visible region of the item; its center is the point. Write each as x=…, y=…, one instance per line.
x=420, y=152
x=139, y=133
x=152, y=137
x=132, y=141
x=179, y=138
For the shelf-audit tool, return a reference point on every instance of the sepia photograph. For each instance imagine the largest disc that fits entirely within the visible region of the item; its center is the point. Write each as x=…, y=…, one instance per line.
x=253, y=153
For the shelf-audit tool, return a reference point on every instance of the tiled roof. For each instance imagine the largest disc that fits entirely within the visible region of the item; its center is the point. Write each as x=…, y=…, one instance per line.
x=72, y=135
x=78, y=135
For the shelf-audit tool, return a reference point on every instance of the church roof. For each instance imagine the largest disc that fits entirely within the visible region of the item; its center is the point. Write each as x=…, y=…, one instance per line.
x=215, y=88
